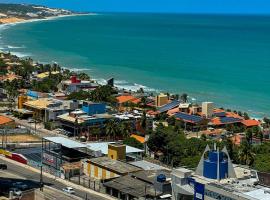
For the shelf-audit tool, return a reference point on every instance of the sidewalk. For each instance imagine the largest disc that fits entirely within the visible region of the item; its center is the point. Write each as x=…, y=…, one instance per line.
x=75, y=186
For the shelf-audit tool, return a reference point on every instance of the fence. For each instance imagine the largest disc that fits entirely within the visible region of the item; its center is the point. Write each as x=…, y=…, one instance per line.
x=85, y=181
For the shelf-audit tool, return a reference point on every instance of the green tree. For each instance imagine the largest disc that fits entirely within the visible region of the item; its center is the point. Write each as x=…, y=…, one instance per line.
x=245, y=154
x=133, y=142
x=184, y=97
x=125, y=129
x=112, y=129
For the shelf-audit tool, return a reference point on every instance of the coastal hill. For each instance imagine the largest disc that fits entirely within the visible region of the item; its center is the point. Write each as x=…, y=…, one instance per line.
x=10, y=13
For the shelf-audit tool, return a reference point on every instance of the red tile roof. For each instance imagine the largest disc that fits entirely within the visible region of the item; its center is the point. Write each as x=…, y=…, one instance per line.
x=250, y=122
x=4, y=120
x=127, y=98
x=138, y=138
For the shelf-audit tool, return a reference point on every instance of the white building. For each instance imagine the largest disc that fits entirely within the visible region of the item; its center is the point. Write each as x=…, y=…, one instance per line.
x=207, y=109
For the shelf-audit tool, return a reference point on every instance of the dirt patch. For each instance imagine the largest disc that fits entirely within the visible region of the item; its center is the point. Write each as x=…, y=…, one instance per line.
x=23, y=138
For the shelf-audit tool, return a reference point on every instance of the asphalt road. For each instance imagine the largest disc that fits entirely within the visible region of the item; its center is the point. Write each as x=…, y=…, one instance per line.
x=32, y=179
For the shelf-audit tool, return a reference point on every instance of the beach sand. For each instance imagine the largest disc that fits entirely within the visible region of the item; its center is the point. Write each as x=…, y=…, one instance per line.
x=9, y=20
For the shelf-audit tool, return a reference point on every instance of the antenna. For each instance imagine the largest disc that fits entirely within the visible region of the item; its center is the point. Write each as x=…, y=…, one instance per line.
x=218, y=175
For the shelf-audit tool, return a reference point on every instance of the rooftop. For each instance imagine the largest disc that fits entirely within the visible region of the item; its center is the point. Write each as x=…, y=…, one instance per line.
x=127, y=98
x=46, y=74
x=141, y=139
x=65, y=142
x=103, y=147
x=131, y=186
x=5, y=120
x=150, y=176
x=250, y=122
x=145, y=165
x=41, y=103
x=114, y=165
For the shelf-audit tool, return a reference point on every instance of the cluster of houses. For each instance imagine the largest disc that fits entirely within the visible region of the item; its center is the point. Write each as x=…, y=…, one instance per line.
x=122, y=169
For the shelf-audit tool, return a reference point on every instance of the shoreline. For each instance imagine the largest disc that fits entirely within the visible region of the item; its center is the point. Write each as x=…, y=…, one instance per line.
x=120, y=83
x=22, y=21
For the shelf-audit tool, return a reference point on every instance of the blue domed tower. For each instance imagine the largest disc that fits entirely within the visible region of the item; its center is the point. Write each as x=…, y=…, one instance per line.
x=215, y=164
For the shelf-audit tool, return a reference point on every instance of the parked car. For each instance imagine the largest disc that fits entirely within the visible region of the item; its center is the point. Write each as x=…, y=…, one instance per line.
x=3, y=166
x=69, y=190
x=20, y=185
x=16, y=191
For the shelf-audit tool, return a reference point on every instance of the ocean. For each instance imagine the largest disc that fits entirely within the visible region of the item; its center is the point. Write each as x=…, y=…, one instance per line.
x=224, y=59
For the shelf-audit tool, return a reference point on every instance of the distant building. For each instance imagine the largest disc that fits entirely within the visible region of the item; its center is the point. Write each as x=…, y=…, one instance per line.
x=48, y=109
x=76, y=85
x=161, y=100
x=207, y=109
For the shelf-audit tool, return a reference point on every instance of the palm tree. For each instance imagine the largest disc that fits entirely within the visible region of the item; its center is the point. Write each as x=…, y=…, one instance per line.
x=184, y=97
x=112, y=128
x=143, y=101
x=143, y=121
x=249, y=135
x=245, y=154
x=125, y=129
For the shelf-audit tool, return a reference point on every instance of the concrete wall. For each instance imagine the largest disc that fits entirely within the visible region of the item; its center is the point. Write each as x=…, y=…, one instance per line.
x=97, y=172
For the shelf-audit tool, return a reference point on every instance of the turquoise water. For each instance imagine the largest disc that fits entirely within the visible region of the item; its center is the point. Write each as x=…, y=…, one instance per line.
x=225, y=59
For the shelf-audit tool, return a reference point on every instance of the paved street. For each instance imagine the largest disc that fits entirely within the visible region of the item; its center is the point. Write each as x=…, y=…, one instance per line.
x=34, y=177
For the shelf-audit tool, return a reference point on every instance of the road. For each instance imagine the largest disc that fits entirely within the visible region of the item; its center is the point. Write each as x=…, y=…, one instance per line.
x=34, y=177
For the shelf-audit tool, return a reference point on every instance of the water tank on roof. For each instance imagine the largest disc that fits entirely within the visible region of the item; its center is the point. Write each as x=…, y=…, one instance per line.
x=215, y=166
x=161, y=178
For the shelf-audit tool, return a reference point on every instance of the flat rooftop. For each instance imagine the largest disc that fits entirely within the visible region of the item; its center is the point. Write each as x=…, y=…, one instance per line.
x=114, y=165
x=41, y=103
x=103, y=147
x=147, y=165
x=150, y=176
x=131, y=186
x=65, y=142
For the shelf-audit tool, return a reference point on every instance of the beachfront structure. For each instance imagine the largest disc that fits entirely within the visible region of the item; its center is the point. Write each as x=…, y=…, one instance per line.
x=161, y=100
x=207, y=109
x=217, y=178
x=76, y=85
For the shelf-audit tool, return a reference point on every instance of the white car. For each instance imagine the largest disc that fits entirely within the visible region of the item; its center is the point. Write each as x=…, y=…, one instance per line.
x=69, y=190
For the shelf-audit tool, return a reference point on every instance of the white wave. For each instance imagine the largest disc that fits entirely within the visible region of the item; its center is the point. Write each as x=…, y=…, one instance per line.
x=15, y=47
x=79, y=69
x=120, y=82
x=20, y=54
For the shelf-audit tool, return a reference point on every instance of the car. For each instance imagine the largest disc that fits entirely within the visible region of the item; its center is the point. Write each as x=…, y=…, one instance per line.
x=20, y=185
x=69, y=190
x=3, y=166
x=16, y=192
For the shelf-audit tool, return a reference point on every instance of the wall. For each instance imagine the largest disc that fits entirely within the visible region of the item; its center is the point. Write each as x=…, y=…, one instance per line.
x=94, y=108
x=97, y=172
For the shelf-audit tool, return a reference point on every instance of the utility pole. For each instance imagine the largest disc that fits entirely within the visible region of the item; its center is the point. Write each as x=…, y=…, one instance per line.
x=41, y=167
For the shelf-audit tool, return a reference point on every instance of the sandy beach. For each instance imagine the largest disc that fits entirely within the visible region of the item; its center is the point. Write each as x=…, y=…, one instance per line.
x=10, y=20
x=15, y=20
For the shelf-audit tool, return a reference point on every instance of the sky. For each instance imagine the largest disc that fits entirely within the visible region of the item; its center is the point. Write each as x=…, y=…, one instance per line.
x=157, y=6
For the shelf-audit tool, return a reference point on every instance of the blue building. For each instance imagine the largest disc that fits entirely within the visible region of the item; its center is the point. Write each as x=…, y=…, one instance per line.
x=91, y=108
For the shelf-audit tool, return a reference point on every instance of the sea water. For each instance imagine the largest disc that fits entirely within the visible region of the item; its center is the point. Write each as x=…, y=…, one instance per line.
x=224, y=59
